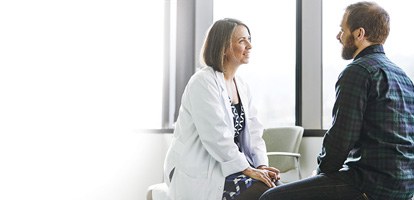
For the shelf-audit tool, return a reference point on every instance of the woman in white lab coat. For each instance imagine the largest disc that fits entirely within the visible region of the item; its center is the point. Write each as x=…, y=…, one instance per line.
x=217, y=151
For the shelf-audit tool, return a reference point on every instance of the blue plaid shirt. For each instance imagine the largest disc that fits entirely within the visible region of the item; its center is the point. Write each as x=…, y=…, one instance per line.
x=371, y=142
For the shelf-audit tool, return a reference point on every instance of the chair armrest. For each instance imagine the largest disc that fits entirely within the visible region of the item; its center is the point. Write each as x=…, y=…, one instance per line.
x=283, y=154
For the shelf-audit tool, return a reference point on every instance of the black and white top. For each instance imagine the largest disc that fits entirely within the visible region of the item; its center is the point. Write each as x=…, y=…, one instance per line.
x=239, y=122
x=237, y=183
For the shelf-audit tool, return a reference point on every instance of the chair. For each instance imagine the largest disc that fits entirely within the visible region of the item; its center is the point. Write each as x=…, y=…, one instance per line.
x=157, y=191
x=282, y=146
x=282, y=149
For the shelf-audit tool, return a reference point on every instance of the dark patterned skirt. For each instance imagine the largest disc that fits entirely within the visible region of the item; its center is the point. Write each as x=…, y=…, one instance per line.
x=235, y=184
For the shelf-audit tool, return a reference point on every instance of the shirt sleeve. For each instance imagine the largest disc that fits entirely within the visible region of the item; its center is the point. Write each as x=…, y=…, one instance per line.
x=351, y=98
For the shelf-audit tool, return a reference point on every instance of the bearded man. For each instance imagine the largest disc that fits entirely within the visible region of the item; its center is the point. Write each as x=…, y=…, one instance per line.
x=368, y=153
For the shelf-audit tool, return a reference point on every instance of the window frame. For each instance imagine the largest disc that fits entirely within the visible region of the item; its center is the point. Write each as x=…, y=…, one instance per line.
x=197, y=17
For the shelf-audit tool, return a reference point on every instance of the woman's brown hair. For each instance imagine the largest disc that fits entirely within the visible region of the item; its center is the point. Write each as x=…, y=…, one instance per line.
x=218, y=39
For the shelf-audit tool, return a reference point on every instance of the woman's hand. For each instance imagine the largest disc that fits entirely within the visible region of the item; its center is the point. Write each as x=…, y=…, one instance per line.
x=266, y=176
x=314, y=173
x=271, y=169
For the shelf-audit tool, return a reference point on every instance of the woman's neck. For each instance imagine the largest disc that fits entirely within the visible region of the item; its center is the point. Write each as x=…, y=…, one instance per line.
x=230, y=72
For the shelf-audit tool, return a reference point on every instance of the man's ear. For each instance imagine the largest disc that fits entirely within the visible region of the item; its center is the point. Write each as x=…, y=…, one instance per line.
x=359, y=34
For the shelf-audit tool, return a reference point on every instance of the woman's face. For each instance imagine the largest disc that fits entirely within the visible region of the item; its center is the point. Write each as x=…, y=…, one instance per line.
x=239, y=51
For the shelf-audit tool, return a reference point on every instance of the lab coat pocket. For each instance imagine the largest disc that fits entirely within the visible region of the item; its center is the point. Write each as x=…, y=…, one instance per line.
x=185, y=187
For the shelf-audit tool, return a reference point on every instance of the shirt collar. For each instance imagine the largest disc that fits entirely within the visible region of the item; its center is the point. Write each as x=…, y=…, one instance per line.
x=376, y=48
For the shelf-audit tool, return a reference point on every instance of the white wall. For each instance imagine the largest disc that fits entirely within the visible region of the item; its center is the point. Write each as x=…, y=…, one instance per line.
x=73, y=87
x=92, y=166
x=309, y=149
x=158, y=143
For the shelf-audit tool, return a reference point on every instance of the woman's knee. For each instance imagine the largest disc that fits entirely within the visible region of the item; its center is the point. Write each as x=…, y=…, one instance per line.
x=253, y=192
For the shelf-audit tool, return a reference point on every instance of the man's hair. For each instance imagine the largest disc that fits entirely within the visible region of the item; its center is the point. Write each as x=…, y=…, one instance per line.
x=218, y=40
x=370, y=16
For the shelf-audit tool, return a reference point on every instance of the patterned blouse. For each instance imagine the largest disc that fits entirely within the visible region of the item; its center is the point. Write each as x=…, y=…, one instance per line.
x=237, y=183
x=238, y=119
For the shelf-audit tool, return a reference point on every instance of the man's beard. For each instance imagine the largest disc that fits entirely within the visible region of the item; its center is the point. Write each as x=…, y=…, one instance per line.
x=349, y=48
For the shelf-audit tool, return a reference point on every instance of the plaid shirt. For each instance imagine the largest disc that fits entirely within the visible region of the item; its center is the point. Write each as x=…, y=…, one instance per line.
x=371, y=142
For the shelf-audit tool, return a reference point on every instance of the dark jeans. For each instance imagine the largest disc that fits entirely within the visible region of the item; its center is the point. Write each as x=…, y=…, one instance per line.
x=319, y=187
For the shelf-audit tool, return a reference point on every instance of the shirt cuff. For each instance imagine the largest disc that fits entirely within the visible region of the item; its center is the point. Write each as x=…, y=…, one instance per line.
x=260, y=160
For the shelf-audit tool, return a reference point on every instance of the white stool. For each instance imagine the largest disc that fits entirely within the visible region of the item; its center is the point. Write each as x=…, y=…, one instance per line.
x=157, y=192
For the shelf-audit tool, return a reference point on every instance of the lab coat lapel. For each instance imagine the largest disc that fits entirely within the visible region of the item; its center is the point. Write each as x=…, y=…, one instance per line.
x=246, y=134
x=242, y=94
x=224, y=94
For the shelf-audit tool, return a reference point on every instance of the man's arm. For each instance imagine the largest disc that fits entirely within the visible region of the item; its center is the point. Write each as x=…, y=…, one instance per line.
x=351, y=98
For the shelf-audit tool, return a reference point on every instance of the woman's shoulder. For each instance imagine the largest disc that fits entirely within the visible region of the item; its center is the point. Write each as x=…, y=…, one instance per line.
x=205, y=71
x=203, y=76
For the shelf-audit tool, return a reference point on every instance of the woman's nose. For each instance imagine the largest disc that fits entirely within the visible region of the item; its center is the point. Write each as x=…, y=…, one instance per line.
x=249, y=45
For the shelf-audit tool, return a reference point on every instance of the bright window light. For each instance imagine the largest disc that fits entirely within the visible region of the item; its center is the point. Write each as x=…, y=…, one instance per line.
x=271, y=71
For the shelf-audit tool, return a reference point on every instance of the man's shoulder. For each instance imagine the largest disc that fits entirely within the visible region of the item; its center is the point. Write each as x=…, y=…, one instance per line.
x=371, y=62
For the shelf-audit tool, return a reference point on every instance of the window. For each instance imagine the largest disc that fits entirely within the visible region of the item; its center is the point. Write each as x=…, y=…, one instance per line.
x=271, y=71
x=150, y=43
x=397, y=47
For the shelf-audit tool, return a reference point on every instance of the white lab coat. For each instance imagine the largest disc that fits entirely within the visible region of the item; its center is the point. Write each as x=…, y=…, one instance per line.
x=203, y=151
